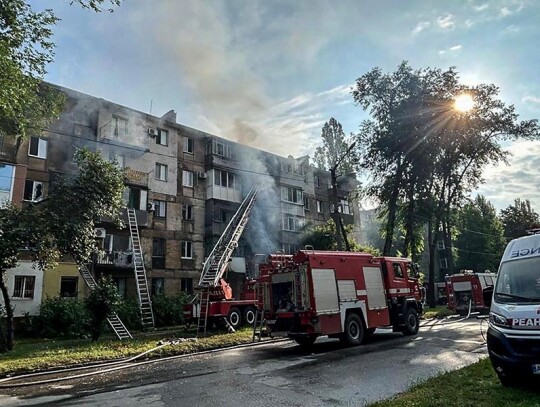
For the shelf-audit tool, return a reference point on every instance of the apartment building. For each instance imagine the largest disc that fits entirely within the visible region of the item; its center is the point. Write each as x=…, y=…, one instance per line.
x=184, y=185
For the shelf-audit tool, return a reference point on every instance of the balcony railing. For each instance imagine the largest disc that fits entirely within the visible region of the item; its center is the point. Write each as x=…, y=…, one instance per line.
x=116, y=259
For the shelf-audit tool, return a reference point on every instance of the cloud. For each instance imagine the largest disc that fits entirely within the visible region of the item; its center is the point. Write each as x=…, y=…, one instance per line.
x=421, y=26
x=511, y=29
x=531, y=99
x=455, y=48
x=481, y=7
x=469, y=23
x=518, y=179
x=505, y=11
x=446, y=22
x=450, y=50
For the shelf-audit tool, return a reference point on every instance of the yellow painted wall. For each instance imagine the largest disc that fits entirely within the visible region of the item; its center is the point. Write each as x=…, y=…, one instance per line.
x=52, y=278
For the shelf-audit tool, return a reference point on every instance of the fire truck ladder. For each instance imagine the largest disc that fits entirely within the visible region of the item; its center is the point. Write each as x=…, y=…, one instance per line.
x=259, y=322
x=114, y=321
x=215, y=265
x=145, y=303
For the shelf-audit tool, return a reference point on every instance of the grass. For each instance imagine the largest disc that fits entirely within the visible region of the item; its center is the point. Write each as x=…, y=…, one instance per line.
x=473, y=386
x=37, y=355
x=440, y=311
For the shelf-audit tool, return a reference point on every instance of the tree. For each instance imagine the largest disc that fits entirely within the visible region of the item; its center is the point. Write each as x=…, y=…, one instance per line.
x=337, y=156
x=323, y=237
x=518, y=218
x=63, y=223
x=102, y=302
x=418, y=148
x=480, y=241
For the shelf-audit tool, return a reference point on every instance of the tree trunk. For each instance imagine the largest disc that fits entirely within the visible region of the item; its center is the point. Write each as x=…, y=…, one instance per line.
x=431, y=273
x=335, y=215
x=448, y=247
x=392, y=209
x=409, y=222
x=9, y=317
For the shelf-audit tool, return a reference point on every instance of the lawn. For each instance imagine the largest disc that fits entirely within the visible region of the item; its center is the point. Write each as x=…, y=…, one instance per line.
x=473, y=386
x=36, y=355
x=440, y=311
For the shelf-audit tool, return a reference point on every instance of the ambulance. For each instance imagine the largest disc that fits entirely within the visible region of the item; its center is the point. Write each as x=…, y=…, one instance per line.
x=513, y=337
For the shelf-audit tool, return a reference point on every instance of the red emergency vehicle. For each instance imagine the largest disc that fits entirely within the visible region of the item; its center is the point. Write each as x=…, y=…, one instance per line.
x=469, y=288
x=340, y=294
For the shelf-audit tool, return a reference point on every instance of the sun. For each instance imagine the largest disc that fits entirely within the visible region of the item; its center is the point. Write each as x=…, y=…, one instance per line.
x=463, y=103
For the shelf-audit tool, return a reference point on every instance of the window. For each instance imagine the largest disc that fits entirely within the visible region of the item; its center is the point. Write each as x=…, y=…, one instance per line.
x=69, y=286
x=119, y=126
x=160, y=208
x=306, y=203
x=290, y=248
x=220, y=215
x=116, y=159
x=226, y=179
x=121, y=284
x=33, y=191
x=344, y=205
x=443, y=263
x=37, y=147
x=440, y=245
x=319, y=207
x=317, y=182
x=186, y=285
x=158, y=286
x=161, y=172
x=7, y=173
x=158, y=253
x=292, y=223
x=162, y=137
x=398, y=272
x=222, y=149
x=187, y=249
x=187, y=212
x=187, y=178
x=293, y=195
x=24, y=287
x=188, y=145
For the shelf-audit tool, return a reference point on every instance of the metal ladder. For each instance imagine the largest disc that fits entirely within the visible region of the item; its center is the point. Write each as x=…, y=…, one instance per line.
x=258, y=323
x=215, y=265
x=114, y=321
x=145, y=302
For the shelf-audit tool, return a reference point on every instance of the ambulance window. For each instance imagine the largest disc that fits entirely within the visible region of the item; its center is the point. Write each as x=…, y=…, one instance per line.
x=397, y=270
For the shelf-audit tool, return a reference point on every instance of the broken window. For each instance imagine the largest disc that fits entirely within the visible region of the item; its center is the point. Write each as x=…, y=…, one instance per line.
x=33, y=191
x=119, y=126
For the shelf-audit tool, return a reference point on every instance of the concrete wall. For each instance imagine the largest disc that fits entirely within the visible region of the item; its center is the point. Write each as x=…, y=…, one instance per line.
x=52, y=279
x=21, y=306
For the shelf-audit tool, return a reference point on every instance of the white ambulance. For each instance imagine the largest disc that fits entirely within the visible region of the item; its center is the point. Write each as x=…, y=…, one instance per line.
x=514, y=321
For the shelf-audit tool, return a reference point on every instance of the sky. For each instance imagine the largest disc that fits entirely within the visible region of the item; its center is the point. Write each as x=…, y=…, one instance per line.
x=269, y=73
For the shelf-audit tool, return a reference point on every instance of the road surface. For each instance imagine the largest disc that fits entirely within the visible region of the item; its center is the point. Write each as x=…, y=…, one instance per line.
x=278, y=374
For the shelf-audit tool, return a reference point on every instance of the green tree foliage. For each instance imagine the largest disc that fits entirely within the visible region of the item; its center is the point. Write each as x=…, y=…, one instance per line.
x=480, y=241
x=102, y=302
x=62, y=317
x=62, y=224
x=519, y=217
x=337, y=156
x=323, y=238
x=418, y=148
x=169, y=310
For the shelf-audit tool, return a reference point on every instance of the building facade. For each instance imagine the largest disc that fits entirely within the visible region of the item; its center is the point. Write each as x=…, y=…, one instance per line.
x=184, y=186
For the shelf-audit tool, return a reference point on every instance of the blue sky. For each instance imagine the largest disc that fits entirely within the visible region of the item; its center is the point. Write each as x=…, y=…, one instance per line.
x=270, y=73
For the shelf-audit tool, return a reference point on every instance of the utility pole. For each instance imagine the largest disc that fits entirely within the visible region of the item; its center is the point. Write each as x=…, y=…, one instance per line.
x=341, y=234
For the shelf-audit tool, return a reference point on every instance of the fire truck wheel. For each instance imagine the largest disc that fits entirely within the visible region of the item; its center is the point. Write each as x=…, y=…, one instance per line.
x=235, y=318
x=370, y=331
x=354, y=330
x=412, y=322
x=249, y=315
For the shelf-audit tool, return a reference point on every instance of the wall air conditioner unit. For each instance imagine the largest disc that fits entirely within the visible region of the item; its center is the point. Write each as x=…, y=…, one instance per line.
x=152, y=132
x=201, y=174
x=100, y=233
x=150, y=207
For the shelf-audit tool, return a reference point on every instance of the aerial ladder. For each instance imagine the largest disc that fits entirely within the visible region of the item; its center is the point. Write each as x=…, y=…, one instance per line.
x=216, y=264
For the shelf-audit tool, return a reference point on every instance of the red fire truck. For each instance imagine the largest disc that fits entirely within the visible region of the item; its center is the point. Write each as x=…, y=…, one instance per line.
x=339, y=294
x=469, y=288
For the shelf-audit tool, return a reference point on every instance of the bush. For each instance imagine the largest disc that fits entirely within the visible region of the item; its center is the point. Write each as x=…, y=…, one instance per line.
x=62, y=317
x=168, y=311
x=129, y=313
x=102, y=301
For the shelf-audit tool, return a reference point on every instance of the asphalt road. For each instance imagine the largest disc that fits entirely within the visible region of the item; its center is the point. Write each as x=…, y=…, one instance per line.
x=278, y=374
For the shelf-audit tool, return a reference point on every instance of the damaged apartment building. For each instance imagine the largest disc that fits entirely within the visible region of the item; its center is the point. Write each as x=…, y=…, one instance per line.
x=183, y=187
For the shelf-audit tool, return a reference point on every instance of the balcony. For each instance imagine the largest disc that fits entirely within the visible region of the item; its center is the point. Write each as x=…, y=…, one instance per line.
x=134, y=177
x=123, y=259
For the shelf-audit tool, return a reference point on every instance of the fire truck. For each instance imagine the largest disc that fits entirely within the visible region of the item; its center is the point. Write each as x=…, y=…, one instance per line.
x=470, y=289
x=339, y=294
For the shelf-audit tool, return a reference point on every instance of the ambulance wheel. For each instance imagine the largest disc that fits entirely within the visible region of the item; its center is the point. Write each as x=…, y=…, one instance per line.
x=354, y=330
x=305, y=341
x=235, y=318
x=412, y=322
x=250, y=315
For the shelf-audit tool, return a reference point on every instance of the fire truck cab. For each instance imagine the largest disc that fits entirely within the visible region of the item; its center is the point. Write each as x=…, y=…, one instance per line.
x=342, y=294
